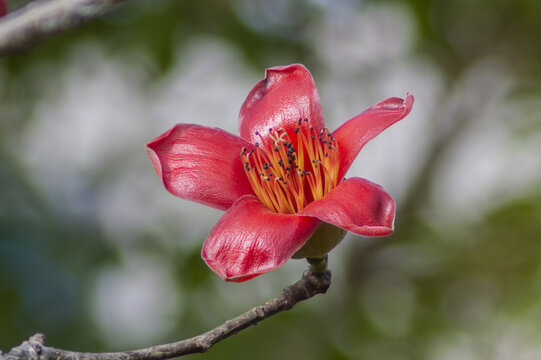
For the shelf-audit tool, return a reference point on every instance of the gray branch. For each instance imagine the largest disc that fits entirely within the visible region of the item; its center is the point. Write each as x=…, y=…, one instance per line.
x=308, y=286
x=43, y=18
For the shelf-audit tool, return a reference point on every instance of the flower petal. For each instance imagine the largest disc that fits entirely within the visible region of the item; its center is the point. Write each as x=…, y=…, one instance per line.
x=356, y=205
x=356, y=132
x=201, y=164
x=250, y=240
x=286, y=94
x=3, y=8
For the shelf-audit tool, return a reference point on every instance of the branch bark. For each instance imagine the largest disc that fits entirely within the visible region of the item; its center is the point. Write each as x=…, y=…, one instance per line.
x=308, y=286
x=43, y=18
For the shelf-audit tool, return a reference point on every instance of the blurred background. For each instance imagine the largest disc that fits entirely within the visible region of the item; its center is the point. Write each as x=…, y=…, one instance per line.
x=95, y=253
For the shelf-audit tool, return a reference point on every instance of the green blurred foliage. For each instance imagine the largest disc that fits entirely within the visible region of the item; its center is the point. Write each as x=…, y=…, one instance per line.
x=397, y=299
x=44, y=264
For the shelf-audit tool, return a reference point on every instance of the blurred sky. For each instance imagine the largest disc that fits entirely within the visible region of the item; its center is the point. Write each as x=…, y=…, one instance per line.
x=122, y=254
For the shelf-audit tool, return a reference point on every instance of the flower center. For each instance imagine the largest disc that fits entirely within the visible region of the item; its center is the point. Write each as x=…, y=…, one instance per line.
x=287, y=176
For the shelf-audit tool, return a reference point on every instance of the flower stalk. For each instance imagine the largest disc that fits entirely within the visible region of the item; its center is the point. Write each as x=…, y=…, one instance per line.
x=318, y=266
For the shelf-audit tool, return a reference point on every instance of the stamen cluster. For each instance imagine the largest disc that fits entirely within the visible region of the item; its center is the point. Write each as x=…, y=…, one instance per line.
x=287, y=175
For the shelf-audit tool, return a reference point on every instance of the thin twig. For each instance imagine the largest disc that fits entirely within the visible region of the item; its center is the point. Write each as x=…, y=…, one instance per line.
x=308, y=286
x=43, y=18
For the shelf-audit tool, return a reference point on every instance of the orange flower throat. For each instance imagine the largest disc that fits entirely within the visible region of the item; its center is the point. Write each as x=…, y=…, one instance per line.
x=286, y=177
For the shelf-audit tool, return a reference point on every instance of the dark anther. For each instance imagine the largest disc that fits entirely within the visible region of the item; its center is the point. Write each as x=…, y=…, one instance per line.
x=288, y=168
x=297, y=130
x=300, y=119
x=312, y=136
x=257, y=144
x=311, y=128
x=257, y=132
x=306, y=119
x=265, y=166
x=276, y=148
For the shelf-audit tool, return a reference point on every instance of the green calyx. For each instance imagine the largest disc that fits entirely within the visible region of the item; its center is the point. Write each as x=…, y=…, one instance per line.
x=325, y=238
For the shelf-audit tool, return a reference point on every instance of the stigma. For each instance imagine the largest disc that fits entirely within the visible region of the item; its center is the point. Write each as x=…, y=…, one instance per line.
x=287, y=171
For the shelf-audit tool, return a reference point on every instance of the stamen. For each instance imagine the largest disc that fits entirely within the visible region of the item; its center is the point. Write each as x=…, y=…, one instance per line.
x=301, y=173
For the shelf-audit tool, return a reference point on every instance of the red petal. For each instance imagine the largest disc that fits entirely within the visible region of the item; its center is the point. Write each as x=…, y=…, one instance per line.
x=356, y=205
x=286, y=94
x=201, y=164
x=356, y=132
x=250, y=240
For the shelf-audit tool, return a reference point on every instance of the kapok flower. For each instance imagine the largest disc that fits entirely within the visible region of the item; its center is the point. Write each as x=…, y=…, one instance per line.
x=281, y=181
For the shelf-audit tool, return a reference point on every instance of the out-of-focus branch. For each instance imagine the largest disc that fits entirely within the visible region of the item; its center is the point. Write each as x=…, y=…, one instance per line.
x=42, y=18
x=460, y=108
x=308, y=286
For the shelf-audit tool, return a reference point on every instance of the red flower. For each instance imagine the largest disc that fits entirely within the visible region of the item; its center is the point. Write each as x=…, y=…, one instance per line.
x=281, y=178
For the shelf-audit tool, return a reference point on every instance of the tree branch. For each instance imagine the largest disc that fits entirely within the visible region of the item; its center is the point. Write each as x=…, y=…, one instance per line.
x=43, y=18
x=308, y=286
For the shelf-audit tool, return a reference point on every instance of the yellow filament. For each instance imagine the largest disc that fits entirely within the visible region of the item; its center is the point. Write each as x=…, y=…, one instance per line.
x=286, y=177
